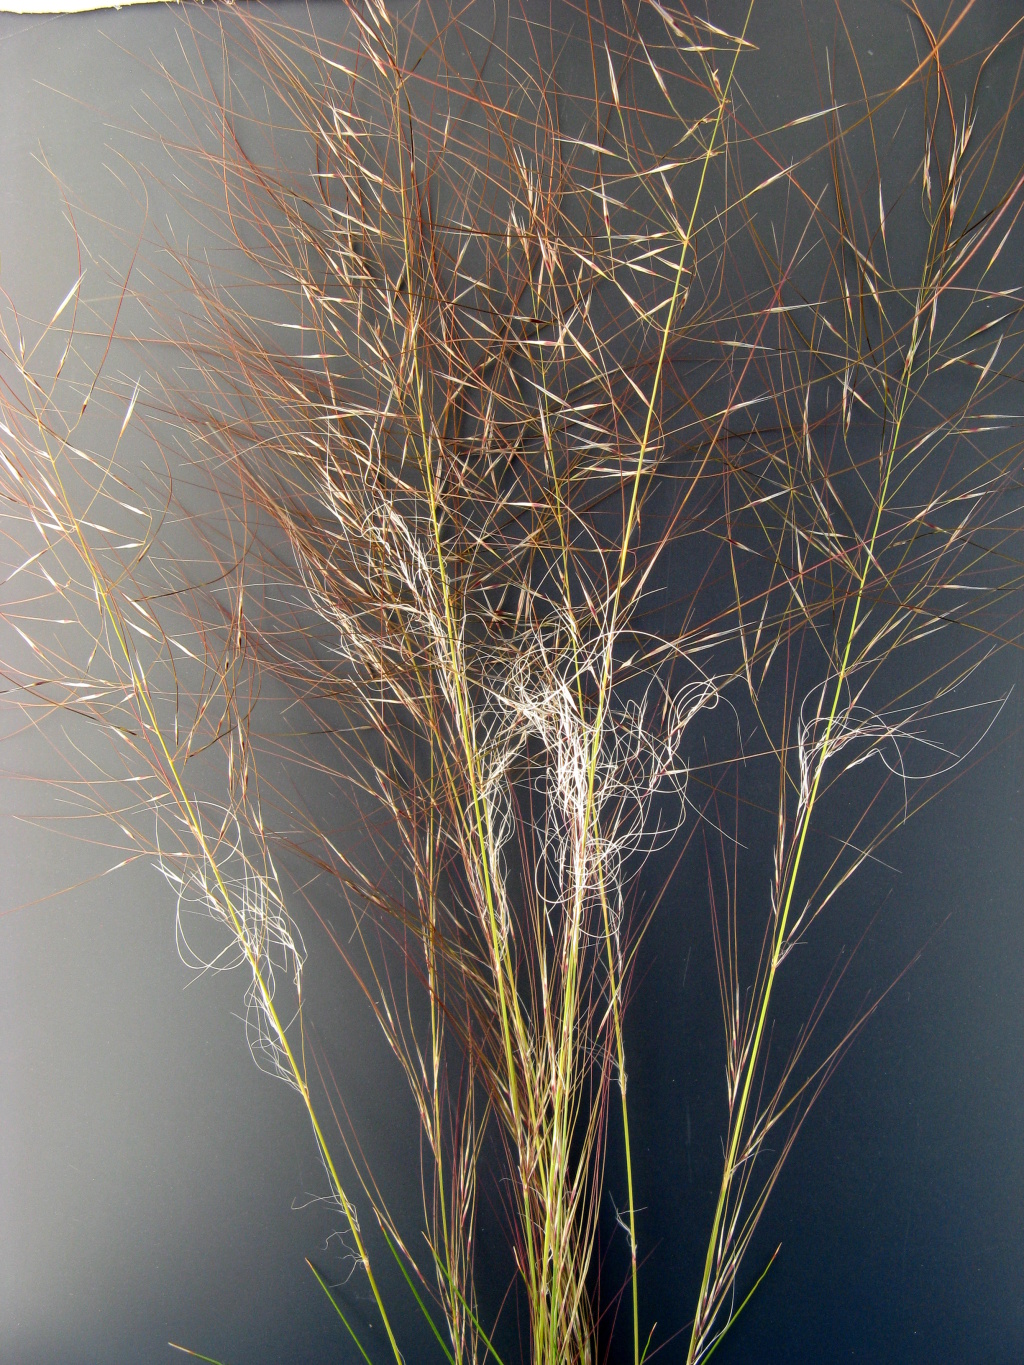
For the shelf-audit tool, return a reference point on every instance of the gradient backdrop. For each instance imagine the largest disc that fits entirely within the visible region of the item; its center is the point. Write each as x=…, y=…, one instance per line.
x=155, y=1186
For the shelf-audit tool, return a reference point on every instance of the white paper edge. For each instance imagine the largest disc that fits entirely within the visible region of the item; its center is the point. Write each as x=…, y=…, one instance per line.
x=70, y=6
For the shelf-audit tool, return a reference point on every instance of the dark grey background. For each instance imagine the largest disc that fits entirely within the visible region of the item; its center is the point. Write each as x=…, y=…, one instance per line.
x=148, y=1170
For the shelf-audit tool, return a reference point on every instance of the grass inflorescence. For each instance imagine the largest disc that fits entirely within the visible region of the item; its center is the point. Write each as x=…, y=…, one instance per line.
x=595, y=407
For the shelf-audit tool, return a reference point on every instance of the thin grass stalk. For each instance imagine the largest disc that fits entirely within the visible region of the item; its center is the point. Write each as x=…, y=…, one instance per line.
x=167, y=769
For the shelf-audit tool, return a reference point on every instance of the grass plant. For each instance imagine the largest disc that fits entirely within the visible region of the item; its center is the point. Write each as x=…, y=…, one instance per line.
x=590, y=411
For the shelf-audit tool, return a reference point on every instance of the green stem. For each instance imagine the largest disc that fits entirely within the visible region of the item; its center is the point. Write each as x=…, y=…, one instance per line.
x=779, y=939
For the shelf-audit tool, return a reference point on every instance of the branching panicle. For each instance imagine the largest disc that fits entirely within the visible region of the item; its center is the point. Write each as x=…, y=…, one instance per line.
x=571, y=437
